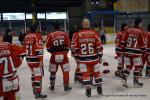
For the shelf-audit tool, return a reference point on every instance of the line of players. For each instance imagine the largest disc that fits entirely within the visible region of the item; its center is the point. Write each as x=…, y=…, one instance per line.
x=86, y=49
x=133, y=50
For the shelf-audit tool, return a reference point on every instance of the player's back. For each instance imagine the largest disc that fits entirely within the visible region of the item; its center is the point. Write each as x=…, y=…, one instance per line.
x=135, y=41
x=30, y=44
x=88, y=41
x=58, y=41
x=7, y=67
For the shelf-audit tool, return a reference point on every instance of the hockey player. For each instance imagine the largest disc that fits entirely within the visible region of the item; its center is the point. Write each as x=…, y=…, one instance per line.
x=34, y=57
x=88, y=49
x=58, y=44
x=118, y=50
x=133, y=43
x=148, y=52
x=10, y=60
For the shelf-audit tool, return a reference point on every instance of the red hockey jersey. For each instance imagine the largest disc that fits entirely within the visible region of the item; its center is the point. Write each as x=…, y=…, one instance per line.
x=74, y=38
x=33, y=44
x=133, y=42
x=88, y=46
x=57, y=41
x=10, y=59
x=118, y=41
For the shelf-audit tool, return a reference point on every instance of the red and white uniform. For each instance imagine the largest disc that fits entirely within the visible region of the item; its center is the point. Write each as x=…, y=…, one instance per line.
x=88, y=48
x=33, y=44
x=58, y=44
x=10, y=60
x=133, y=44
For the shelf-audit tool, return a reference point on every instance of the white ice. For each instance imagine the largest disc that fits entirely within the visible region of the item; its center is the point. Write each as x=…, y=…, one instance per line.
x=112, y=89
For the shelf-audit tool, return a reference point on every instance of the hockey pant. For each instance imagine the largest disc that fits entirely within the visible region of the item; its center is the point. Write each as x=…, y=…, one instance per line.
x=120, y=58
x=9, y=89
x=88, y=70
x=55, y=61
x=131, y=62
x=78, y=74
x=37, y=74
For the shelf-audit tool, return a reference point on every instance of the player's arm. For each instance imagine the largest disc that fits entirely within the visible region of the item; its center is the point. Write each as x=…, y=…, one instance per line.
x=75, y=47
x=18, y=53
x=117, y=39
x=39, y=46
x=99, y=48
x=73, y=43
x=48, y=43
x=124, y=41
x=19, y=50
x=143, y=41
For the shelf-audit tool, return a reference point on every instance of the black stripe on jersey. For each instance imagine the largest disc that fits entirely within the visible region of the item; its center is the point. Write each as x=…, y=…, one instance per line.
x=32, y=59
x=40, y=52
x=10, y=76
x=57, y=49
x=123, y=43
x=148, y=50
x=88, y=58
x=118, y=49
x=133, y=51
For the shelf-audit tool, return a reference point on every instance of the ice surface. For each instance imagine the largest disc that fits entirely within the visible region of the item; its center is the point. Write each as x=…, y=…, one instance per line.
x=112, y=89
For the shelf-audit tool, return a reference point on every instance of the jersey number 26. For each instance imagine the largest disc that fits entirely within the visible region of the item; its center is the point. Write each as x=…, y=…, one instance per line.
x=87, y=48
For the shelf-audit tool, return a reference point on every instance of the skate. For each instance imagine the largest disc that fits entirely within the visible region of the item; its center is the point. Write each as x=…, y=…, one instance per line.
x=52, y=87
x=124, y=82
x=147, y=74
x=67, y=89
x=40, y=96
x=137, y=84
x=105, y=63
x=88, y=92
x=118, y=73
x=106, y=71
x=76, y=81
x=99, y=90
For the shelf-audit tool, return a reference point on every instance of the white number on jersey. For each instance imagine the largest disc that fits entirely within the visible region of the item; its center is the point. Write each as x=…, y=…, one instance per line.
x=87, y=48
x=5, y=61
x=58, y=42
x=132, y=42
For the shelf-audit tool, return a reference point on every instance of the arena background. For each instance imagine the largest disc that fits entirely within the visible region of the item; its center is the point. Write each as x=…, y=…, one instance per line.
x=17, y=14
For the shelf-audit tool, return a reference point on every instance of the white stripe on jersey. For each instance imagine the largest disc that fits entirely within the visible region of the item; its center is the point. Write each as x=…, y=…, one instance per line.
x=133, y=54
x=31, y=57
x=32, y=62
